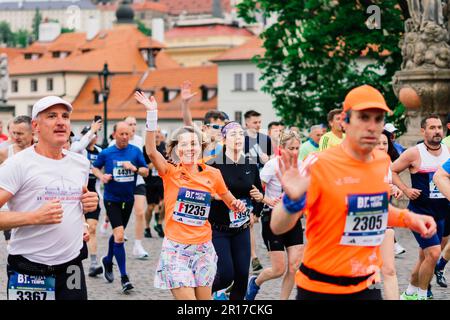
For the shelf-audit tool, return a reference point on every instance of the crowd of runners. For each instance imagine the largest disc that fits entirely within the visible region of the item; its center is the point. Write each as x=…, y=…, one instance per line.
x=325, y=203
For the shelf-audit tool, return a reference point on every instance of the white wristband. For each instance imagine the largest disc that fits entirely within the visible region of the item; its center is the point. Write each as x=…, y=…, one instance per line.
x=152, y=120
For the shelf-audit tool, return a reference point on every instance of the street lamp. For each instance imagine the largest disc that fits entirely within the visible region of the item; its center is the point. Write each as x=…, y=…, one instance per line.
x=104, y=77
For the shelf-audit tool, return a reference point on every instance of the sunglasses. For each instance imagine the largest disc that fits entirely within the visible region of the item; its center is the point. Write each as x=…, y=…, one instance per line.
x=215, y=126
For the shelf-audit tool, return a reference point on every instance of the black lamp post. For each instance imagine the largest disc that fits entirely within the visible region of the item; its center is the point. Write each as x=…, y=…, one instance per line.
x=104, y=78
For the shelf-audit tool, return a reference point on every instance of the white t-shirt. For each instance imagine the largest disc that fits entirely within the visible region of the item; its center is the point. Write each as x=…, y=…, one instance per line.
x=268, y=175
x=138, y=142
x=34, y=180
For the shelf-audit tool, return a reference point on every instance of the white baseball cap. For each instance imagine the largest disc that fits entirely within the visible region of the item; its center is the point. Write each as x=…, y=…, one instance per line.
x=390, y=127
x=46, y=103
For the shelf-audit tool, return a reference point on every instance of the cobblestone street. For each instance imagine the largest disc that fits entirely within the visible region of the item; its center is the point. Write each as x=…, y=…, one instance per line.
x=142, y=272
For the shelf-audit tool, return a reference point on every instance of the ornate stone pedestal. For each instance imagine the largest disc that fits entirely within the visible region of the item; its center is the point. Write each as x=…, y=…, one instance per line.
x=433, y=88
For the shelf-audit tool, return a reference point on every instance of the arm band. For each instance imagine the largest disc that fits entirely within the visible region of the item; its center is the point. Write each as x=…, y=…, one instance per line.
x=294, y=206
x=152, y=121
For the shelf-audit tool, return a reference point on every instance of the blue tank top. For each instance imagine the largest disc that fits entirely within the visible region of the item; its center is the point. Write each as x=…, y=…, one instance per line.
x=431, y=201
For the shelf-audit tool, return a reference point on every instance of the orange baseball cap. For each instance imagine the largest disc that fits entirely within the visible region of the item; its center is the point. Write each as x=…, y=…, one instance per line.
x=365, y=97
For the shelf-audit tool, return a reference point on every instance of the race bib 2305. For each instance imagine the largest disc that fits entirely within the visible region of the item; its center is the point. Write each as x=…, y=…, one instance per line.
x=366, y=220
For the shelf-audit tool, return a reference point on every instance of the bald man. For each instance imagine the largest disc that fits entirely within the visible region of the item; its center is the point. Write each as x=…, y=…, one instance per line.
x=140, y=193
x=122, y=163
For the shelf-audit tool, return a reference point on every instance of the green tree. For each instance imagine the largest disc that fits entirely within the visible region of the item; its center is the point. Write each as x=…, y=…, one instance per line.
x=21, y=38
x=312, y=52
x=142, y=28
x=37, y=19
x=6, y=35
x=67, y=30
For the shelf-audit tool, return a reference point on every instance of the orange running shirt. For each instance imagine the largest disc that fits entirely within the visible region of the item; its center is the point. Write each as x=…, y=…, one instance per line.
x=346, y=207
x=187, y=199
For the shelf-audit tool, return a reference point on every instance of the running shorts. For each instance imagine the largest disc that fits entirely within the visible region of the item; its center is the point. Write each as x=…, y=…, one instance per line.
x=182, y=265
x=118, y=213
x=280, y=242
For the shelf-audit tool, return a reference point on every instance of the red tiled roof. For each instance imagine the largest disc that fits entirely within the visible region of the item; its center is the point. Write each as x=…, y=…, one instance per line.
x=193, y=6
x=121, y=102
x=206, y=31
x=67, y=42
x=12, y=53
x=245, y=51
x=119, y=47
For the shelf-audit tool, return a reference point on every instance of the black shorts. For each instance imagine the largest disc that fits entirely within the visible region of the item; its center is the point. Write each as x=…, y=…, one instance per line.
x=93, y=214
x=155, y=193
x=367, y=294
x=118, y=213
x=447, y=226
x=140, y=190
x=70, y=282
x=279, y=242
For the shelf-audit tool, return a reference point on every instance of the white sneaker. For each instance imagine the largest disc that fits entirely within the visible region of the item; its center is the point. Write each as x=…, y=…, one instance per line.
x=398, y=249
x=139, y=252
x=104, y=228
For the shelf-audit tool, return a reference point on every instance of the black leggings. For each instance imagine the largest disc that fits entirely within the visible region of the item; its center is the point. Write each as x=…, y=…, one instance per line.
x=233, y=251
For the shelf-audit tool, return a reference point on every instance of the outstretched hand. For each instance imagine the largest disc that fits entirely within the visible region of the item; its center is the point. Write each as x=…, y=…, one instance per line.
x=186, y=93
x=150, y=104
x=292, y=181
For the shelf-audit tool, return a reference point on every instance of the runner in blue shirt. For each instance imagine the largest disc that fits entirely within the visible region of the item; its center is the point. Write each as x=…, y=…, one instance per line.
x=122, y=163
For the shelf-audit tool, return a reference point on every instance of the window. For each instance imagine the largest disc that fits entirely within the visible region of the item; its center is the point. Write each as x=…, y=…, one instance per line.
x=208, y=92
x=49, y=84
x=98, y=97
x=237, y=82
x=170, y=94
x=55, y=54
x=238, y=116
x=30, y=110
x=34, y=85
x=142, y=15
x=14, y=86
x=27, y=56
x=250, y=81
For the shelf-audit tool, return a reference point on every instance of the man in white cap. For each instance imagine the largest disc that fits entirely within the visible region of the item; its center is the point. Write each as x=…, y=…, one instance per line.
x=45, y=187
x=389, y=127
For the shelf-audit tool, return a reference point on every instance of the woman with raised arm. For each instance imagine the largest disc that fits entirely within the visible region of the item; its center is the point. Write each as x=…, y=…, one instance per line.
x=188, y=261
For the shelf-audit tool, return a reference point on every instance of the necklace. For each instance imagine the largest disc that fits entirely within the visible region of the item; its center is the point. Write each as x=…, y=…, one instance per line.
x=431, y=149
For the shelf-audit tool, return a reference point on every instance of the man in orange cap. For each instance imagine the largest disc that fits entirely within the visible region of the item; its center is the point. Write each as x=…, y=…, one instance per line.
x=344, y=193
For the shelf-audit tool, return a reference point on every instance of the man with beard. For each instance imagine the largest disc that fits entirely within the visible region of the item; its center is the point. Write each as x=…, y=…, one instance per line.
x=423, y=160
x=336, y=134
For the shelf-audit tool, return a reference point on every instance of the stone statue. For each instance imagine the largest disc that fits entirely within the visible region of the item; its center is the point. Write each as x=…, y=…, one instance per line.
x=425, y=43
x=423, y=83
x=4, y=77
x=424, y=11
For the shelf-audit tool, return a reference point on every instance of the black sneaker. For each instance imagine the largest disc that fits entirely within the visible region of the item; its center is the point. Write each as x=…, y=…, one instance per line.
x=108, y=274
x=95, y=270
x=147, y=233
x=429, y=293
x=256, y=265
x=126, y=284
x=440, y=278
x=159, y=229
